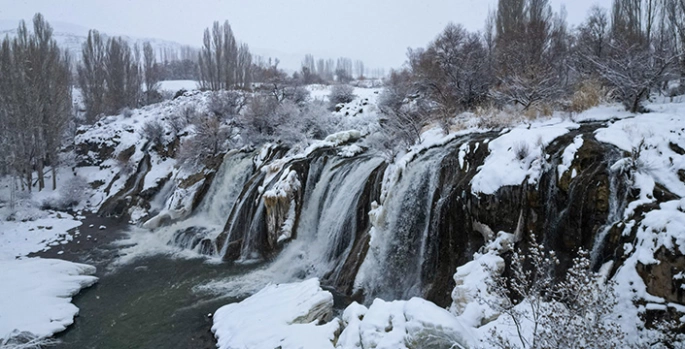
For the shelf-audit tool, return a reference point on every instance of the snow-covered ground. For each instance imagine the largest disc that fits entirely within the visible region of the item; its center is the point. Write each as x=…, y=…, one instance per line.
x=21, y=238
x=297, y=316
x=175, y=85
x=35, y=295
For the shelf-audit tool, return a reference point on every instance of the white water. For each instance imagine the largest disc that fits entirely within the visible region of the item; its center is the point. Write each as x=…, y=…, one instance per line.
x=392, y=268
x=326, y=229
x=617, y=207
x=207, y=221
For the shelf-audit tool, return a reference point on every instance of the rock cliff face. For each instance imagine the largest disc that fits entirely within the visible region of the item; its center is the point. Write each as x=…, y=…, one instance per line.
x=373, y=229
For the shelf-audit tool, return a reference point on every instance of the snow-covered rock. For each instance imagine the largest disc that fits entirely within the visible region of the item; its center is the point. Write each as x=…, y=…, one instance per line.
x=401, y=325
x=286, y=316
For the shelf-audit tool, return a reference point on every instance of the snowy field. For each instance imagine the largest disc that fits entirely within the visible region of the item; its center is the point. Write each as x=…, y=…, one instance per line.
x=175, y=85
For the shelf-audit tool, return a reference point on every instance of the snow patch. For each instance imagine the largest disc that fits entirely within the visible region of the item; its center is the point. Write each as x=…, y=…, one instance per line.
x=36, y=295
x=286, y=316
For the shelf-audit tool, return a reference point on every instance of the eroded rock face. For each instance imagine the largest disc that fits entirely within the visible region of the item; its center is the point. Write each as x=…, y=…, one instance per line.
x=565, y=211
x=666, y=278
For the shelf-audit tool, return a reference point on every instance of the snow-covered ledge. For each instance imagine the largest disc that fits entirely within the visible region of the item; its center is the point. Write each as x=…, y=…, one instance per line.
x=285, y=316
x=35, y=295
x=291, y=316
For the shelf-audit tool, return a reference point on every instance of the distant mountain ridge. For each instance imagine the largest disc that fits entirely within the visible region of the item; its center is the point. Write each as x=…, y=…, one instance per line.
x=72, y=36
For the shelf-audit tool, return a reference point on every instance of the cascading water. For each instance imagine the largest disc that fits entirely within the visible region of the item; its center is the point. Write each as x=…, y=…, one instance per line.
x=325, y=232
x=313, y=216
x=618, y=200
x=393, y=267
x=199, y=231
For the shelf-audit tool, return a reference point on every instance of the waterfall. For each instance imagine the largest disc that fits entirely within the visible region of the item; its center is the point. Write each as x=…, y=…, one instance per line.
x=199, y=231
x=618, y=200
x=325, y=233
x=393, y=267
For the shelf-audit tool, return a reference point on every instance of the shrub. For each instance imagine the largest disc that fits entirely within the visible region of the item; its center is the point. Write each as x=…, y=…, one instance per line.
x=127, y=112
x=226, y=103
x=73, y=191
x=341, y=94
x=153, y=131
x=522, y=150
x=588, y=94
x=297, y=94
x=180, y=93
x=70, y=194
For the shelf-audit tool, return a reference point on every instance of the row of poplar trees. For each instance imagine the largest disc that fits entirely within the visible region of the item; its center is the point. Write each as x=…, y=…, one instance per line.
x=35, y=102
x=36, y=93
x=112, y=76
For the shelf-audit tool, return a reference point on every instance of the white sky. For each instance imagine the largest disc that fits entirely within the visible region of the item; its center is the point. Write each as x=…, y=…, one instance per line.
x=376, y=31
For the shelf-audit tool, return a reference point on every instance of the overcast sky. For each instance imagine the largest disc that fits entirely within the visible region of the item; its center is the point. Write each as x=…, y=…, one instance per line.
x=376, y=31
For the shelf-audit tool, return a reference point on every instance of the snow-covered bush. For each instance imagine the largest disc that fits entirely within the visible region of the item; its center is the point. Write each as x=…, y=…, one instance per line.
x=26, y=340
x=73, y=190
x=70, y=194
x=522, y=150
x=341, y=94
x=434, y=338
x=288, y=123
x=297, y=94
x=20, y=207
x=577, y=312
x=226, y=103
x=153, y=131
x=210, y=138
x=182, y=118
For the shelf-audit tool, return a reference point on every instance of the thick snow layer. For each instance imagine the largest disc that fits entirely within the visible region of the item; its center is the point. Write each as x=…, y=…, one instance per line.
x=655, y=140
x=400, y=325
x=21, y=238
x=289, y=316
x=568, y=156
x=517, y=156
x=35, y=295
x=470, y=296
x=283, y=316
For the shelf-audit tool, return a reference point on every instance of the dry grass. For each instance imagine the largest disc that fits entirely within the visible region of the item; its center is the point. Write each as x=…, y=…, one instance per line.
x=589, y=93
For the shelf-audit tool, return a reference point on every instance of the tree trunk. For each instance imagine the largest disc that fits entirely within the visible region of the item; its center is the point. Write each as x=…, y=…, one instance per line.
x=54, y=177
x=29, y=177
x=41, y=177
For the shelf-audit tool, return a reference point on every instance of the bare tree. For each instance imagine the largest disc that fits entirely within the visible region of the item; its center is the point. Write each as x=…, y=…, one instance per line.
x=151, y=74
x=633, y=72
x=35, y=102
x=452, y=72
x=122, y=76
x=92, y=75
x=224, y=64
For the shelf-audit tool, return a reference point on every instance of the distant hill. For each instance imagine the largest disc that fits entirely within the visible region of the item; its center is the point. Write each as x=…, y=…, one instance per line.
x=71, y=37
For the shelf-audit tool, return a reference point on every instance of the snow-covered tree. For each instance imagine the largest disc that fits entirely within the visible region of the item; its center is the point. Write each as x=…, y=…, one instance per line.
x=92, y=75
x=452, y=72
x=576, y=312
